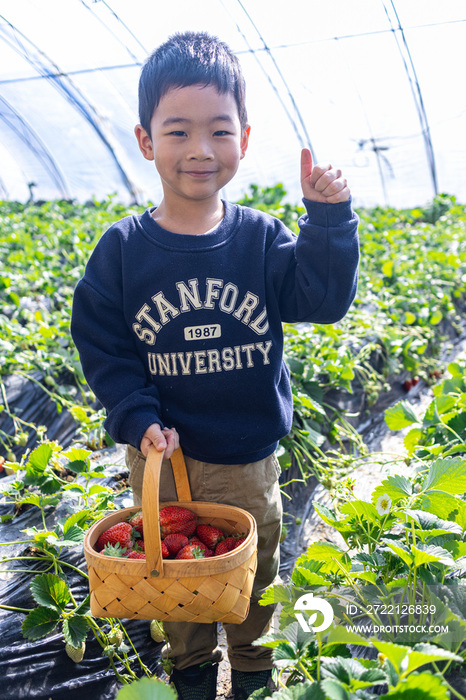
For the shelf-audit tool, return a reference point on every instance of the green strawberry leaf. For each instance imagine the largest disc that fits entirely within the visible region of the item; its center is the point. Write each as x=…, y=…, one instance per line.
x=275, y=594
x=427, y=653
x=401, y=415
x=447, y=475
x=84, y=608
x=38, y=461
x=444, y=505
x=395, y=653
x=332, y=558
x=39, y=623
x=78, y=519
x=352, y=673
x=77, y=466
x=73, y=536
x=362, y=510
x=401, y=552
x=412, y=439
x=51, y=591
x=430, y=553
x=418, y=686
x=396, y=486
x=75, y=630
x=302, y=691
x=146, y=689
x=334, y=690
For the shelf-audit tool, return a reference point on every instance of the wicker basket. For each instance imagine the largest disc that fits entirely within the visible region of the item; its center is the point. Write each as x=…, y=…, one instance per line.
x=198, y=590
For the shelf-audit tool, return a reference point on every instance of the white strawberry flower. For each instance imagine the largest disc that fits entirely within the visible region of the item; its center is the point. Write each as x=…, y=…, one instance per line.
x=383, y=505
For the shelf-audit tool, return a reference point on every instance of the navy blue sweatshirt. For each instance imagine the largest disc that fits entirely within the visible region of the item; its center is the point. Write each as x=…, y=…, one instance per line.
x=186, y=330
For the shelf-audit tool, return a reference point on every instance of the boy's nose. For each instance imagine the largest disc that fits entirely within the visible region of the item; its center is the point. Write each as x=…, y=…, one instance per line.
x=200, y=149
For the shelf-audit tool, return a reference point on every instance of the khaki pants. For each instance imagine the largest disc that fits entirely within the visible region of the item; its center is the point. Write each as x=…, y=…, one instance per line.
x=253, y=487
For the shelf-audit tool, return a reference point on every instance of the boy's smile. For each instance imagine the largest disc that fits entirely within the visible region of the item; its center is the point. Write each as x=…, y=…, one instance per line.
x=196, y=142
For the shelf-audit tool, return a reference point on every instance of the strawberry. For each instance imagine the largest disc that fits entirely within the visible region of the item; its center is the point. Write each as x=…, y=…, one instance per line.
x=136, y=522
x=175, y=542
x=115, y=637
x=225, y=546
x=133, y=554
x=76, y=654
x=156, y=631
x=209, y=535
x=119, y=533
x=114, y=550
x=191, y=551
x=239, y=540
x=165, y=552
x=195, y=540
x=177, y=519
x=407, y=384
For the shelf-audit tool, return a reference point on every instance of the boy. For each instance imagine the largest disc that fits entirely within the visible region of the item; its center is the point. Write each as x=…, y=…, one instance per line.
x=178, y=321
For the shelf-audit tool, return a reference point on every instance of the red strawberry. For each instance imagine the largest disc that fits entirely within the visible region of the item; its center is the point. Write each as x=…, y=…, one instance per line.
x=121, y=532
x=195, y=540
x=239, y=541
x=165, y=552
x=407, y=384
x=225, y=546
x=175, y=542
x=137, y=547
x=136, y=522
x=210, y=535
x=191, y=551
x=133, y=554
x=177, y=519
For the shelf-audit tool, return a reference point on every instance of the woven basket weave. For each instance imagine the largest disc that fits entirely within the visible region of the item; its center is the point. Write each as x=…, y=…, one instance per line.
x=198, y=590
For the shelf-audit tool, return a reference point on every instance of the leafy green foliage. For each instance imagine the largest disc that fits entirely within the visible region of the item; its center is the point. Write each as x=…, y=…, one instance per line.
x=44, y=249
x=146, y=689
x=398, y=581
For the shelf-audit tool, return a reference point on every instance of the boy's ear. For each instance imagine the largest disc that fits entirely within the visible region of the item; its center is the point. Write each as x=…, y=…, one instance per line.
x=144, y=142
x=245, y=140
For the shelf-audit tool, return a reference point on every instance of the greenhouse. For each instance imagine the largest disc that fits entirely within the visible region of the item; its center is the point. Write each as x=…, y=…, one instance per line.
x=369, y=483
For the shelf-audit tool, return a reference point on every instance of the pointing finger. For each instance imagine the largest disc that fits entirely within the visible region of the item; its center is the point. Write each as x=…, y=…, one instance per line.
x=306, y=164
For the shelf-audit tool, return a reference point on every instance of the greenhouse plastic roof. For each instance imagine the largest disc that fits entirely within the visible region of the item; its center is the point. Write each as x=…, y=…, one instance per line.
x=375, y=87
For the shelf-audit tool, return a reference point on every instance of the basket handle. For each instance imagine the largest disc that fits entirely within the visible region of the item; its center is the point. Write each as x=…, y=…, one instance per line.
x=180, y=474
x=150, y=503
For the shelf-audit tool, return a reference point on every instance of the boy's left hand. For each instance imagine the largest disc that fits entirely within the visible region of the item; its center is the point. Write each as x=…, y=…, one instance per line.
x=322, y=183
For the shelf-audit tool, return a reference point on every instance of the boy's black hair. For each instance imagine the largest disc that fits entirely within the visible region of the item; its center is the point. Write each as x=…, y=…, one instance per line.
x=191, y=58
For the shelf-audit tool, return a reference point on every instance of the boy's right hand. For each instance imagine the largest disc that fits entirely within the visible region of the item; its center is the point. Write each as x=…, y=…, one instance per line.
x=162, y=438
x=322, y=183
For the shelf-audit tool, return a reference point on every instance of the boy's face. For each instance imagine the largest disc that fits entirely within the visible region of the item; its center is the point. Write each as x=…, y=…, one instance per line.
x=196, y=141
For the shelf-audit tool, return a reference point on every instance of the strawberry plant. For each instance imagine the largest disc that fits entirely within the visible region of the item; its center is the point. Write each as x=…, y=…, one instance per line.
x=396, y=588
x=441, y=431
x=44, y=249
x=53, y=480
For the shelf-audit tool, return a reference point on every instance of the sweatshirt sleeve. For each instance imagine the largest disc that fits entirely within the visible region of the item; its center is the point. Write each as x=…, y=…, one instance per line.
x=320, y=280
x=110, y=362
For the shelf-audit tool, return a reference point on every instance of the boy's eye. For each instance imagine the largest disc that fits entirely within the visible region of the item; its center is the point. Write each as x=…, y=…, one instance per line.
x=177, y=133
x=221, y=132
